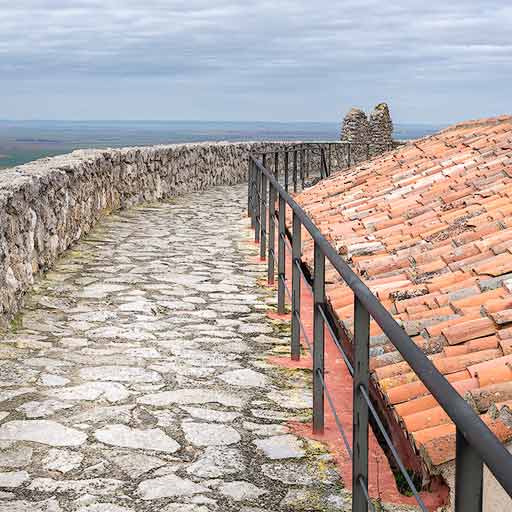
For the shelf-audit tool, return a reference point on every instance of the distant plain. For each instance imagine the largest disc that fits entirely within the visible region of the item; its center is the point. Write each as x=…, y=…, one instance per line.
x=24, y=141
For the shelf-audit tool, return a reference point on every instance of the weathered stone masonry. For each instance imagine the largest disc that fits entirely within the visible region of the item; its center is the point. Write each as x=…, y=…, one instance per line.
x=47, y=205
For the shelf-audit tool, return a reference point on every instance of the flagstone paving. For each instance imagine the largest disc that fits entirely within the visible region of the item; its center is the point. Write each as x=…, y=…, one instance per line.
x=136, y=378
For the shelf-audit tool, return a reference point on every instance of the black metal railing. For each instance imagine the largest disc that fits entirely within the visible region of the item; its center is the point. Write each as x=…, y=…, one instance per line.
x=476, y=445
x=294, y=163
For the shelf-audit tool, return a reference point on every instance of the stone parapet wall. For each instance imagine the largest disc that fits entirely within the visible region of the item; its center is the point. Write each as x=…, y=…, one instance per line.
x=47, y=205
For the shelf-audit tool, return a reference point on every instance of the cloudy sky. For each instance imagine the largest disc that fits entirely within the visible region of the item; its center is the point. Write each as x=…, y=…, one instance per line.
x=434, y=61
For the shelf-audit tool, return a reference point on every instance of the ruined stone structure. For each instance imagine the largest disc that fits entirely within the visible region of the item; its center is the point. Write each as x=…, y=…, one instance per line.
x=377, y=131
x=381, y=128
x=47, y=205
x=356, y=129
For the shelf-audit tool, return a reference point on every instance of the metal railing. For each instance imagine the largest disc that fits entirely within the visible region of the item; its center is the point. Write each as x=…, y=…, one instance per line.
x=475, y=443
x=294, y=163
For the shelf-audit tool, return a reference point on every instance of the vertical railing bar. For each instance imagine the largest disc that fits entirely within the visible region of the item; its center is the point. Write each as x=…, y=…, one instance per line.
x=318, y=340
x=302, y=165
x=329, y=146
x=281, y=257
x=468, y=477
x=276, y=165
x=286, y=158
x=361, y=350
x=257, y=202
x=296, y=288
x=295, y=170
x=271, y=232
x=263, y=209
x=252, y=172
x=322, y=157
x=249, y=170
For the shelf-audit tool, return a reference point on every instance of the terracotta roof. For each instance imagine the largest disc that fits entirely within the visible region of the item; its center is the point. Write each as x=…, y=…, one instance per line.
x=429, y=229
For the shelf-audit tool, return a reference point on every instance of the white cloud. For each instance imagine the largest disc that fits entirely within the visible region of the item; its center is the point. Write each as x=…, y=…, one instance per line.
x=349, y=51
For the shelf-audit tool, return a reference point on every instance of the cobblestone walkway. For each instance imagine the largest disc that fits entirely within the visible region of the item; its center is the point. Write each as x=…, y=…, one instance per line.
x=136, y=379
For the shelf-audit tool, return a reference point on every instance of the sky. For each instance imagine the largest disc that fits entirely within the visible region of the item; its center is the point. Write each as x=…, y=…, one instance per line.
x=312, y=60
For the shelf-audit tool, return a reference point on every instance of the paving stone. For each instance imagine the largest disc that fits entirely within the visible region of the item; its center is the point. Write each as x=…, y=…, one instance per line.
x=119, y=374
x=111, y=391
x=292, y=399
x=216, y=462
x=43, y=409
x=95, y=486
x=210, y=434
x=41, y=431
x=51, y=505
x=151, y=439
x=211, y=414
x=255, y=328
x=62, y=460
x=182, y=507
x=18, y=457
x=13, y=479
x=192, y=396
x=265, y=429
x=99, y=414
x=241, y=491
x=281, y=447
x=136, y=464
x=298, y=473
x=245, y=378
x=101, y=290
x=105, y=507
x=170, y=486
x=48, y=379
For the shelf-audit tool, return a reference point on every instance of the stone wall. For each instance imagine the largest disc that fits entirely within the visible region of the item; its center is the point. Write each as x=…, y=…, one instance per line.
x=47, y=205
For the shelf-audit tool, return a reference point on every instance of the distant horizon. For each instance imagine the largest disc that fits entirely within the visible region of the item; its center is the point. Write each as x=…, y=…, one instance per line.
x=22, y=141
x=259, y=121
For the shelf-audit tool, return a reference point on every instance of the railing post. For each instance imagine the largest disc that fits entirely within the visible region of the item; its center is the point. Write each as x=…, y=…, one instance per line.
x=349, y=155
x=468, y=477
x=271, y=232
x=263, y=211
x=286, y=170
x=318, y=340
x=360, y=407
x=276, y=165
x=295, y=170
x=257, y=204
x=281, y=261
x=296, y=258
x=329, y=167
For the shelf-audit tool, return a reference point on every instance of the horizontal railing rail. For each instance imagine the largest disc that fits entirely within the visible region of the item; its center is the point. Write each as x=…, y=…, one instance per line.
x=476, y=444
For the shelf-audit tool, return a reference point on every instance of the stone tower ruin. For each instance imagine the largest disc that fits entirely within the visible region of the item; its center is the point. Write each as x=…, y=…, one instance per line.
x=377, y=131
